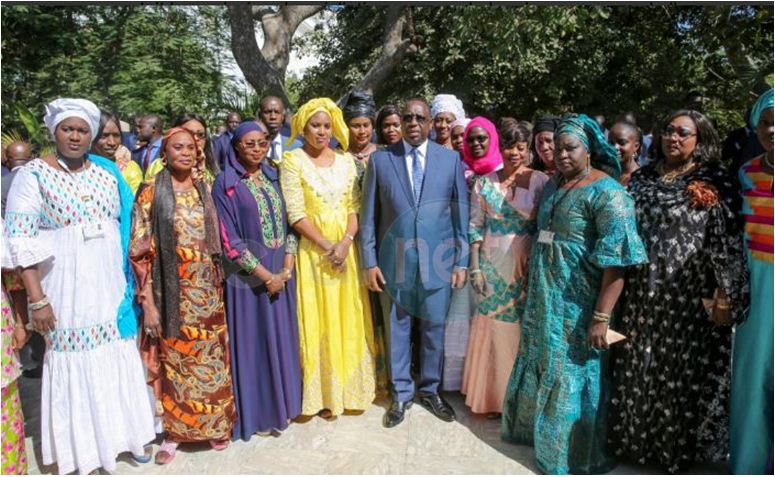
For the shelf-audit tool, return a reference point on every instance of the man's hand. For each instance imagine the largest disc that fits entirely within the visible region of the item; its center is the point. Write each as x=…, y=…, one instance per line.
x=375, y=279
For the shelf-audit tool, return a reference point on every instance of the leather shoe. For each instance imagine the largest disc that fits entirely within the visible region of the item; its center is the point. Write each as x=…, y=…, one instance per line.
x=395, y=414
x=437, y=406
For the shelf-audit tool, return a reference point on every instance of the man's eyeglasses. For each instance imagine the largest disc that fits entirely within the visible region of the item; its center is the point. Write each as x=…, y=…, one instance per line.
x=480, y=139
x=683, y=132
x=407, y=118
x=254, y=144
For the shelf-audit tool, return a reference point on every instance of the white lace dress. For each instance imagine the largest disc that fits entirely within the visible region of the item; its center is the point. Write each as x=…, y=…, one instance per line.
x=94, y=404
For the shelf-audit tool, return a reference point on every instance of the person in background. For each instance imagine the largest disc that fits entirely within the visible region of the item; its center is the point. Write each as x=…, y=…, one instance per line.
x=461, y=305
x=80, y=286
x=175, y=252
x=149, y=133
x=751, y=412
x=322, y=194
x=626, y=138
x=445, y=108
x=260, y=248
x=501, y=229
x=17, y=153
x=543, y=144
x=221, y=142
x=108, y=145
x=271, y=112
x=670, y=403
x=359, y=110
x=557, y=396
x=389, y=125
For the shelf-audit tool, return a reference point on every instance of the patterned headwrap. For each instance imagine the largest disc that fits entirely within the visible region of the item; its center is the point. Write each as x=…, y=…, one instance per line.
x=764, y=102
x=314, y=106
x=171, y=132
x=603, y=155
x=463, y=122
x=447, y=103
x=63, y=108
x=359, y=104
x=492, y=158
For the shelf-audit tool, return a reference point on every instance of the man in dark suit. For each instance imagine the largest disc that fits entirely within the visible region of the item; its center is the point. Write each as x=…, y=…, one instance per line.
x=271, y=112
x=222, y=143
x=414, y=245
x=149, y=132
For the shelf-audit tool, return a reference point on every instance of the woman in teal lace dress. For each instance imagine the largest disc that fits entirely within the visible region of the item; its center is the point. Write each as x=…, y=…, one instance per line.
x=557, y=396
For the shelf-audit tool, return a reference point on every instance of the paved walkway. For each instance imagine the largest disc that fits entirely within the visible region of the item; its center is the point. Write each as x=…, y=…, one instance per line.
x=351, y=444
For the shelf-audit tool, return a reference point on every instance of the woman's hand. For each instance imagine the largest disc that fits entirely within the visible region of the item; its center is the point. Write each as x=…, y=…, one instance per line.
x=152, y=321
x=43, y=320
x=479, y=282
x=597, y=334
x=275, y=285
x=20, y=336
x=337, y=254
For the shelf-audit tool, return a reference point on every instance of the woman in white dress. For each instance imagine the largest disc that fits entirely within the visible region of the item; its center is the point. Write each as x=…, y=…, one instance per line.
x=68, y=217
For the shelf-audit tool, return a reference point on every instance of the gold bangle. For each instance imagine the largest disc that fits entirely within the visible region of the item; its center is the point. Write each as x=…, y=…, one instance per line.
x=271, y=279
x=722, y=306
x=601, y=317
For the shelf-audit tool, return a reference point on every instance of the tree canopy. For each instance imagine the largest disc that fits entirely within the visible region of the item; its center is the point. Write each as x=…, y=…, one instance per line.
x=527, y=60
x=520, y=61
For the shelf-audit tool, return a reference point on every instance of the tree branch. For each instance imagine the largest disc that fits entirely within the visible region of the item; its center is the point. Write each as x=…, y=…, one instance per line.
x=258, y=72
x=279, y=29
x=394, y=48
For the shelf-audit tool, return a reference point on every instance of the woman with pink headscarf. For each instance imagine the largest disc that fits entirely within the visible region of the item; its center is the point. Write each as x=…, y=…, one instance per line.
x=502, y=220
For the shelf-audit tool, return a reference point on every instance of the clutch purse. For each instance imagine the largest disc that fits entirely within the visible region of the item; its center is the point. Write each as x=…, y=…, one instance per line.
x=613, y=337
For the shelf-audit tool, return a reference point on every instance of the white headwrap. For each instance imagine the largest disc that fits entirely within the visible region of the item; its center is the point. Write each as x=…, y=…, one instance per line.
x=447, y=103
x=63, y=108
x=462, y=122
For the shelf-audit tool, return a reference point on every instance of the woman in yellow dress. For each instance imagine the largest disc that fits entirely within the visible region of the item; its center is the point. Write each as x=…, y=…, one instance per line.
x=335, y=328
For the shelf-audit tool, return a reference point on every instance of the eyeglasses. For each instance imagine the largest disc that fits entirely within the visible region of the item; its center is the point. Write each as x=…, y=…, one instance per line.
x=407, y=118
x=683, y=132
x=480, y=139
x=253, y=144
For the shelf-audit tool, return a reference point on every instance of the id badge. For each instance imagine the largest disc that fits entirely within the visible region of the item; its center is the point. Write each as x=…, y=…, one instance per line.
x=93, y=231
x=546, y=236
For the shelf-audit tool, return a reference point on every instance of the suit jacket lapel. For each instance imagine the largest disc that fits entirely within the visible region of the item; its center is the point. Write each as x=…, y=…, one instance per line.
x=399, y=164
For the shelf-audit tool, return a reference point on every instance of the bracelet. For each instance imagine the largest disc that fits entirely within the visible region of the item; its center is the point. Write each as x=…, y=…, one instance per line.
x=722, y=306
x=285, y=273
x=601, y=317
x=348, y=236
x=475, y=271
x=40, y=304
x=271, y=279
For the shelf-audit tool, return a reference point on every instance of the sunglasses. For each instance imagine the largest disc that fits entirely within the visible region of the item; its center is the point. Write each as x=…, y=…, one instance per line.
x=254, y=144
x=407, y=118
x=682, y=132
x=480, y=139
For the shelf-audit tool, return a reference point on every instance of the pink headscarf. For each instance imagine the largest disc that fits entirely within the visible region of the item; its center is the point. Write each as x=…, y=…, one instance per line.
x=492, y=158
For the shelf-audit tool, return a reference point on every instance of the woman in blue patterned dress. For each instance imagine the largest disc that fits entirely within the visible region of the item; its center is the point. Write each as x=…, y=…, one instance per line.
x=557, y=396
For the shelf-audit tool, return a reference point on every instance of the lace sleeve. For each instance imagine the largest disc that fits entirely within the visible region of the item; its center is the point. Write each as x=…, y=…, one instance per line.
x=290, y=182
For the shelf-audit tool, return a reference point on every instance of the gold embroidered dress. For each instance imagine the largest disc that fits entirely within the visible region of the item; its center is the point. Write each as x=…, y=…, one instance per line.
x=336, y=335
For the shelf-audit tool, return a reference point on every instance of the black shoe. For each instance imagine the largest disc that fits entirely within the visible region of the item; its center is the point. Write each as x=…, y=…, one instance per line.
x=438, y=406
x=395, y=414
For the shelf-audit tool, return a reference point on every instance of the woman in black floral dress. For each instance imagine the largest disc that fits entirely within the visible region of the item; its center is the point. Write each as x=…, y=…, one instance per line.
x=672, y=374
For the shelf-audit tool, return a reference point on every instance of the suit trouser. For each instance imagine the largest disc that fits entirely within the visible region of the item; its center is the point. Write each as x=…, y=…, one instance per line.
x=430, y=307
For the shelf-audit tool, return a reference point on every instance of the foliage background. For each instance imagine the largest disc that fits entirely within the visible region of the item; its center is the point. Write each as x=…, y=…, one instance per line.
x=521, y=61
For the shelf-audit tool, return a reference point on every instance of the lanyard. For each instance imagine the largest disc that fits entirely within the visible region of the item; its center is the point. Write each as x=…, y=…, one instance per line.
x=556, y=203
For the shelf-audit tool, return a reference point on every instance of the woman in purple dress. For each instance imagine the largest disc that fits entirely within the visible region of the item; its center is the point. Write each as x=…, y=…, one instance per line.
x=260, y=290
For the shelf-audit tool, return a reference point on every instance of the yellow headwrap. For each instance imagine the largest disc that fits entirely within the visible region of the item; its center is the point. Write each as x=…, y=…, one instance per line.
x=314, y=106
